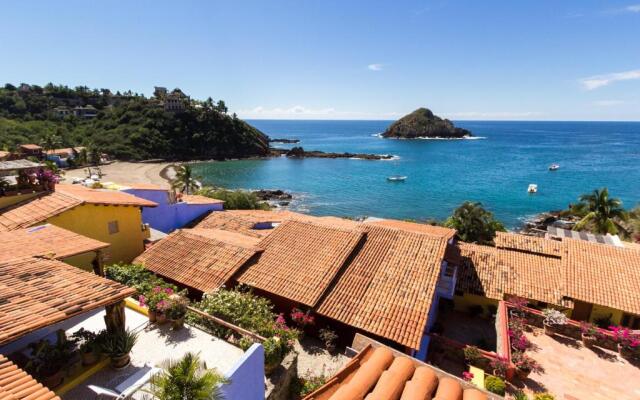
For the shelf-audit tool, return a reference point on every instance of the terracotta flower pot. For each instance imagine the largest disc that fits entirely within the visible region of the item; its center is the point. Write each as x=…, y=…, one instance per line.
x=177, y=323
x=152, y=315
x=161, y=318
x=522, y=373
x=54, y=380
x=89, y=358
x=549, y=330
x=589, y=341
x=120, y=362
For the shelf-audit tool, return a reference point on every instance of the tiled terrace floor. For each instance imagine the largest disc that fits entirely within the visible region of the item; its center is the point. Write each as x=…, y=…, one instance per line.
x=573, y=372
x=156, y=344
x=466, y=329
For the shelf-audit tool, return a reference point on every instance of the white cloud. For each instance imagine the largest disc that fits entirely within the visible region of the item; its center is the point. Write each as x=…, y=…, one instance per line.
x=301, y=112
x=493, y=115
x=633, y=8
x=597, y=81
x=608, y=103
x=375, y=67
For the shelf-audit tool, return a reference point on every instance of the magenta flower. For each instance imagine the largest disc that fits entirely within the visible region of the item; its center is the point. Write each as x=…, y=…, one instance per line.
x=467, y=376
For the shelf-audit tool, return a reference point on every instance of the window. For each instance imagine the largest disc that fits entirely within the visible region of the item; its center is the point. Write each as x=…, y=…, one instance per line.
x=113, y=227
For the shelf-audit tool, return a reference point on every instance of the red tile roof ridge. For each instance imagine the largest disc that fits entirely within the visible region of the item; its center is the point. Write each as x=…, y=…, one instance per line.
x=102, y=196
x=421, y=228
x=16, y=384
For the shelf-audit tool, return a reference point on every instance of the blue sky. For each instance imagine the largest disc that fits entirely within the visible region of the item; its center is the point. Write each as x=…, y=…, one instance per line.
x=532, y=60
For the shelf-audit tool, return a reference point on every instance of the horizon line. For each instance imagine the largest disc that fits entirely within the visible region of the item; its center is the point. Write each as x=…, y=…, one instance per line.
x=464, y=120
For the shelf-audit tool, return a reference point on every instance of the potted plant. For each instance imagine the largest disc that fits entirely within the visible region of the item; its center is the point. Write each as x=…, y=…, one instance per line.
x=628, y=342
x=588, y=334
x=157, y=302
x=187, y=378
x=177, y=310
x=472, y=355
x=88, y=345
x=524, y=365
x=329, y=338
x=552, y=320
x=48, y=360
x=117, y=346
x=500, y=365
x=302, y=319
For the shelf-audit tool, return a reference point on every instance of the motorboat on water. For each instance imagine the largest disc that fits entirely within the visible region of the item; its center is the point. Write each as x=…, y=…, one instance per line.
x=553, y=167
x=396, y=178
x=533, y=188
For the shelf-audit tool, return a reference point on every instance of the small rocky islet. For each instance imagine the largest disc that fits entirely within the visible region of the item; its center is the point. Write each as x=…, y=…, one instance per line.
x=422, y=123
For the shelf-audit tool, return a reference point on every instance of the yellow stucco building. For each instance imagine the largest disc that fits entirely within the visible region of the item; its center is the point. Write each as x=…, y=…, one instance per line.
x=108, y=216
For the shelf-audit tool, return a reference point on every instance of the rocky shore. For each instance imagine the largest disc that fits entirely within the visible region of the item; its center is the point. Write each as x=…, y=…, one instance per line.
x=284, y=140
x=299, y=152
x=537, y=226
x=276, y=197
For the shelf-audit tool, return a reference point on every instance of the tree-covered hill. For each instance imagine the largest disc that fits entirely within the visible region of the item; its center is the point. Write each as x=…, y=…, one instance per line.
x=126, y=126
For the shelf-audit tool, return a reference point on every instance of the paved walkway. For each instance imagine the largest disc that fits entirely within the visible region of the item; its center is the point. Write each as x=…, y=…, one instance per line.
x=573, y=372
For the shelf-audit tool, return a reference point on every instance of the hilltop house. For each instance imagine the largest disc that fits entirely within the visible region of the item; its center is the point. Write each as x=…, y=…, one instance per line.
x=111, y=217
x=62, y=156
x=85, y=112
x=30, y=150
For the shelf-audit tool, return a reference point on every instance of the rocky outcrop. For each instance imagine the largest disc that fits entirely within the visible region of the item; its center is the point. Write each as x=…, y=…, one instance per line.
x=422, y=123
x=284, y=140
x=299, y=152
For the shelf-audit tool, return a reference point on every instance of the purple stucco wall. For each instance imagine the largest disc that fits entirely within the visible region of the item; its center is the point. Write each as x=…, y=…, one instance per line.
x=247, y=376
x=169, y=217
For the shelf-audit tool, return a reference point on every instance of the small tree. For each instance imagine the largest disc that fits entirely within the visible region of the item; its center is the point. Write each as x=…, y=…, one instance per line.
x=187, y=378
x=185, y=181
x=600, y=213
x=474, y=224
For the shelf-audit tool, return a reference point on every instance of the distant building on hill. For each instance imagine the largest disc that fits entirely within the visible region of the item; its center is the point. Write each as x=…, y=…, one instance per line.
x=30, y=150
x=176, y=101
x=85, y=112
x=61, y=112
x=159, y=92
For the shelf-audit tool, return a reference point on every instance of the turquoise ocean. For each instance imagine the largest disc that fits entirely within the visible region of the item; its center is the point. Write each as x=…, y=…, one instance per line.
x=495, y=168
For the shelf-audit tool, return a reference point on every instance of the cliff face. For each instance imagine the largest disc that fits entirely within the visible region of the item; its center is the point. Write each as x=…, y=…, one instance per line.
x=422, y=123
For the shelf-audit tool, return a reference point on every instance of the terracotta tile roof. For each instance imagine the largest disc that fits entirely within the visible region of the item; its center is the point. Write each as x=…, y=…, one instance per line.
x=35, y=211
x=388, y=287
x=529, y=244
x=244, y=221
x=45, y=240
x=382, y=374
x=604, y=275
x=203, y=259
x=66, y=152
x=300, y=260
x=106, y=197
x=497, y=273
x=15, y=384
x=439, y=231
x=478, y=272
x=533, y=276
x=36, y=292
x=30, y=146
x=197, y=199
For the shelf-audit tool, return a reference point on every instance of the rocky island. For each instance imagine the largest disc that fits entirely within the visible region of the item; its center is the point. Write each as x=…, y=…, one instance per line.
x=299, y=152
x=422, y=123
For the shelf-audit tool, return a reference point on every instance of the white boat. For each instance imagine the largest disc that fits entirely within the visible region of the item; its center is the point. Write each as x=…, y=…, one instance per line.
x=533, y=188
x=553, y=167
x=396, y=178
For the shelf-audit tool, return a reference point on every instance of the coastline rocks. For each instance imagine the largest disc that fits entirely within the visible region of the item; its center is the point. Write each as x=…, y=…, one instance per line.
x=422, y=123
x=284, y=140
x=299, y=152
x=273, y=195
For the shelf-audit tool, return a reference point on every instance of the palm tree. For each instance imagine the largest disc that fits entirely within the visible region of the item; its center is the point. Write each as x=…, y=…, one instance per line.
x=51, y=141
x=474, y=224
x=601, y=213
x=187, y=378
x=185, y=181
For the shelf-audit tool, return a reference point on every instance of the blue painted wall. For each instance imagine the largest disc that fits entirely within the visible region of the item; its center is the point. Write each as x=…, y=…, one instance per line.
x=247, y=376
x=169, y=217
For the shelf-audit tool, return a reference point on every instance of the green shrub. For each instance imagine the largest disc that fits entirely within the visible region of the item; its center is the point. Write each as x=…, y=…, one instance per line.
x=495, y=385
x=520, y=395
x=306, y=385
x=137, y=277
x=544, y=396
x=250, y=312
x=235, y=199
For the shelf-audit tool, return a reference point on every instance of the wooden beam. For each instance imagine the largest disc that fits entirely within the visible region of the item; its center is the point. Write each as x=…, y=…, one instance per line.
x=227, y=324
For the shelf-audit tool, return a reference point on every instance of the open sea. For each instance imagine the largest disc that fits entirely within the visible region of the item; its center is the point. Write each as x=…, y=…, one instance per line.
x=495, y=168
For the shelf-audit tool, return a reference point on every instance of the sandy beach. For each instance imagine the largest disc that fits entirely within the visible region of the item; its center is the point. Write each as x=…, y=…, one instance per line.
x=128, y=172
